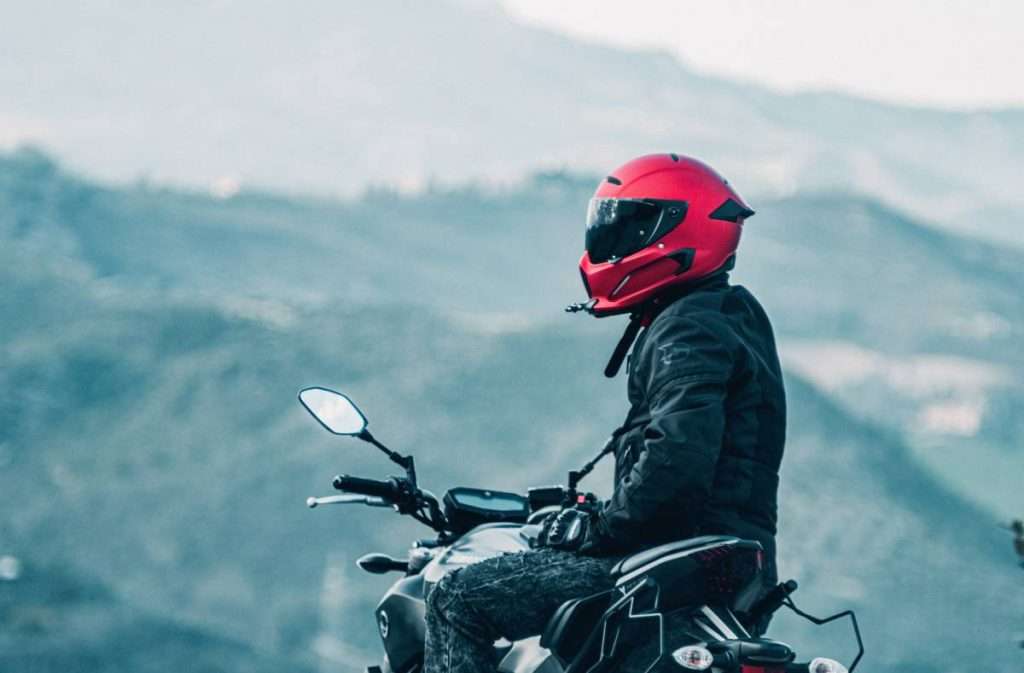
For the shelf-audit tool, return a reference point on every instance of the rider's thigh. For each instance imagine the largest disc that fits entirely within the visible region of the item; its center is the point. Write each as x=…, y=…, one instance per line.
x=514, y=595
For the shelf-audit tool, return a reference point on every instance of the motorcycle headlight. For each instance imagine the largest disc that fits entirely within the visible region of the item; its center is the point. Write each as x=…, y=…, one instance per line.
x=823, y=665
x=693, y=657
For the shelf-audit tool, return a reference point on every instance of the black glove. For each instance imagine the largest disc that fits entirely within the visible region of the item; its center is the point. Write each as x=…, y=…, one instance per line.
x=545, y=527
x=569, y=530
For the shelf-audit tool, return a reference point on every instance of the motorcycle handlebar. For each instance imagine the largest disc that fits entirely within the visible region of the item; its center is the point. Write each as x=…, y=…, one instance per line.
x=371, y=487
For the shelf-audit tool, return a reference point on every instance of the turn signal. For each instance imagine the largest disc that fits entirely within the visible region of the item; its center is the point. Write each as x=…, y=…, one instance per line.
x=823, y=665
x=693, y=657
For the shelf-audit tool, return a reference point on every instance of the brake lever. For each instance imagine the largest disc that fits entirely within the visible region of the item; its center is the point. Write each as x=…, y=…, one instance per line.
x=350, y=499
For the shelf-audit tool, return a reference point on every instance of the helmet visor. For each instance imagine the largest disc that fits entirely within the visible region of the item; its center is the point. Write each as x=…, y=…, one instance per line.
x=620, y=227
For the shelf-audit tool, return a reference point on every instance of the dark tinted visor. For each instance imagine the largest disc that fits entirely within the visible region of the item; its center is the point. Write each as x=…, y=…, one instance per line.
x=620, y=227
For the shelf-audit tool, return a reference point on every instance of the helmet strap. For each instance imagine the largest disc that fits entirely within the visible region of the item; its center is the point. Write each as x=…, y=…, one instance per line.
x=625, y=343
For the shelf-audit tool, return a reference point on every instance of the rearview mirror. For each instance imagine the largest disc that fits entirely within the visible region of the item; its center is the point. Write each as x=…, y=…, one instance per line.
x=333, y=410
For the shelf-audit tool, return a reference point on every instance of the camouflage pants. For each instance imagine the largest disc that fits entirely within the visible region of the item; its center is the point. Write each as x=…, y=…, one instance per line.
x=511, y=596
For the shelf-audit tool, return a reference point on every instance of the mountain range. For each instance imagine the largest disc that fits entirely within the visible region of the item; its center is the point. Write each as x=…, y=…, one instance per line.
x=154, y=461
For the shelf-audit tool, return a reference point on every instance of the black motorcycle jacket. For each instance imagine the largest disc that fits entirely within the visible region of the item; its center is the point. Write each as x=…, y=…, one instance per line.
x=700, y=449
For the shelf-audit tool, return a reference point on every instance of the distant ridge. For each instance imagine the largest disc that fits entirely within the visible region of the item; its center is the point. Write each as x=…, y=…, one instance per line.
x=405, y=93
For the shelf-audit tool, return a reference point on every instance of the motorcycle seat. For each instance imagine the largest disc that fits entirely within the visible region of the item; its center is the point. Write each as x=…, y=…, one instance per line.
x=675, y=550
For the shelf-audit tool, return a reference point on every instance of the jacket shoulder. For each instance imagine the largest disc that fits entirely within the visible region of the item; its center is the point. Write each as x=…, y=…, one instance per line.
x=688, y=340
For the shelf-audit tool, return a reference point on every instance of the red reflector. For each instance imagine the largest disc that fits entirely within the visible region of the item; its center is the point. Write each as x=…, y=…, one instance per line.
x=581, y=499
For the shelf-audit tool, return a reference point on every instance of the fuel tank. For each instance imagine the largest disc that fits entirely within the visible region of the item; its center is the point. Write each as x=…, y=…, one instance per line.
x=400, y=623
x=478, y=544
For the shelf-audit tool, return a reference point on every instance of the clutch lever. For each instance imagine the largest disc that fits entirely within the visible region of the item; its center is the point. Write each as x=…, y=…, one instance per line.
x=349, y=499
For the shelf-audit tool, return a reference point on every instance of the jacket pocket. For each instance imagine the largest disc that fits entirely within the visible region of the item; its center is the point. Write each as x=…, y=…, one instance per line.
x=628, y=452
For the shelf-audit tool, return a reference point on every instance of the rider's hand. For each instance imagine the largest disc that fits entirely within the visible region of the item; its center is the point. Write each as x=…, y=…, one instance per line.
x=569, y=529
x=545, y=527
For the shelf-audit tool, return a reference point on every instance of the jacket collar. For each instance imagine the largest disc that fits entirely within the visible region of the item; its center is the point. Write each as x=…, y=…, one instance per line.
x=718, y=281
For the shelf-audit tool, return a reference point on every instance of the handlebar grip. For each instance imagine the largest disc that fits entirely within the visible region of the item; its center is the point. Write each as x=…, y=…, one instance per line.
x=372, y=487
x=540, y=497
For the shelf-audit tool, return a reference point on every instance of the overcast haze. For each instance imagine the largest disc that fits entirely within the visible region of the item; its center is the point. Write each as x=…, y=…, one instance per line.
x=168, y=289
x=949, y=53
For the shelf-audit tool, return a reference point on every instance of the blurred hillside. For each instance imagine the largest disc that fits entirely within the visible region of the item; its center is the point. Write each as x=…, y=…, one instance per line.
x=57, y=621
x=912, y=328
x=347, y=94
x=154, y=462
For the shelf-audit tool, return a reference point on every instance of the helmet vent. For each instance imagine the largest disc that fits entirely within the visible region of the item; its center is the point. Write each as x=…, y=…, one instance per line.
x=622, y=284
x=730, y=211
x=614, y=180
x=684, y=258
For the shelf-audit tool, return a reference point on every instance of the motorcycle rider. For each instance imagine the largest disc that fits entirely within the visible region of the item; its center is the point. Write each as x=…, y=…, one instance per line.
x=700, y=448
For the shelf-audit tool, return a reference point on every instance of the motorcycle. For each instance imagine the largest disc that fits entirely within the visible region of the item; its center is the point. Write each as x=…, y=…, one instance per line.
x=695, y=605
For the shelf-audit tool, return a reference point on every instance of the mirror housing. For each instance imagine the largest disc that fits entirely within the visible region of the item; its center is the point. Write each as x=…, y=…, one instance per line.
x=340, y=415
x=336, y=412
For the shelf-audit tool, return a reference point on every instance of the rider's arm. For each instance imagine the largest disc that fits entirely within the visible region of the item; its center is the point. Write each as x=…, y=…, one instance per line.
x=685, y=367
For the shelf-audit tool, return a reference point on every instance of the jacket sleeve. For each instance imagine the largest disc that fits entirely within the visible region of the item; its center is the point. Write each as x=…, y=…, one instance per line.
x=685, y=367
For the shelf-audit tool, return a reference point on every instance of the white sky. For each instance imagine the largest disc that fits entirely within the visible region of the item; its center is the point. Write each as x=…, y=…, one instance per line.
x=949, y=53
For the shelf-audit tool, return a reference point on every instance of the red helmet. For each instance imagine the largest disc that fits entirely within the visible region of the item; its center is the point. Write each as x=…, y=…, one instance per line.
x=658, y=221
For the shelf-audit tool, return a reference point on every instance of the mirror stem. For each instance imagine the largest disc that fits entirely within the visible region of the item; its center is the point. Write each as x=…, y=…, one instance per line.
x=406, y=462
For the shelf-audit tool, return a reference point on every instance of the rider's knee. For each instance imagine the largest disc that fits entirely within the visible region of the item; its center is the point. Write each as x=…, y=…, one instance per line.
x=444, y=597
x=452, y=604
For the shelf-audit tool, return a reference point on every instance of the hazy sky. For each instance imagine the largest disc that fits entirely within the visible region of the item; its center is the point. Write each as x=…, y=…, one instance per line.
x=960, y=53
